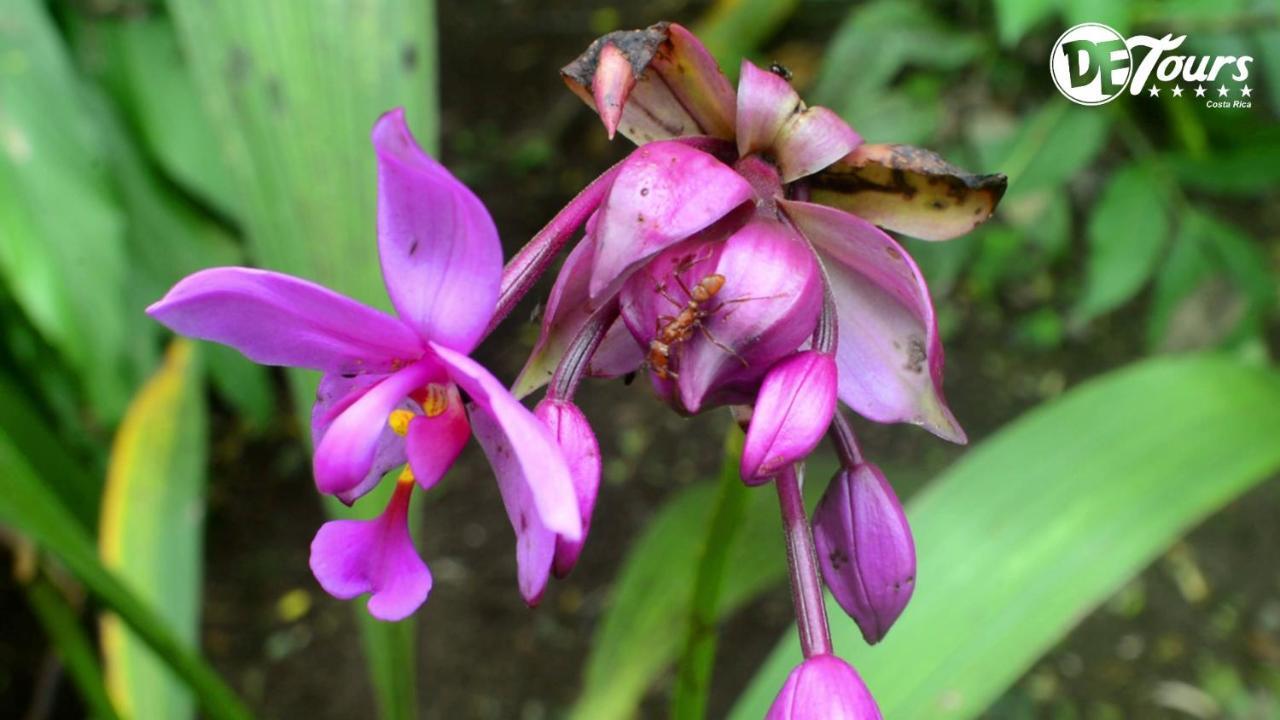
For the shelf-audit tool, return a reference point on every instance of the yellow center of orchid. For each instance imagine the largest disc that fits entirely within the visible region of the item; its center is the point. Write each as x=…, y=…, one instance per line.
x=435, y=400
x=406, y=476
x=399, y=421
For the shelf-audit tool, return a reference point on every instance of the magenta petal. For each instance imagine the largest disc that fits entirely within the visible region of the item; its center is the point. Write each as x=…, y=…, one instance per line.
x=441, y=257
x=617, y=355
x=824, y=687
x=434, y=443
x=889, y=353
x=811, y=140
x=353, y=557
x=277, y=319
x=581, y=452
x=519, y=447
x=345, y=455
x=796, y=403
x=337, y=393
x=664, y=193
x=766, y=308
x=765, y=101
x=865, y=549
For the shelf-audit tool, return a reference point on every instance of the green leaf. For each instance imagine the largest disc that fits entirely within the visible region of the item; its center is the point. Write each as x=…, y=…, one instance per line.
x=733, y=29
x=875, y=42
x=139, y=64
x=1249, y=170
x=1036, y=526
x=62, y=247
x=654, y=591
x=1127, y=231
x=693, y=678
x=168, y=239
x=29, y=431
x=1208, y=253
x=293, y=90
x=29, y=506
x=152, y=530
x=62, y=625
x=1015, y=17
x=1186, y=268
x=1048, y=149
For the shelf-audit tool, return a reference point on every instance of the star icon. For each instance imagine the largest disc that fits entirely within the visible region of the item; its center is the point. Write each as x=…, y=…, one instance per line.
x=1154, y=92
x=1199, y=91
x=1222, y=91
x=1177, y=91
x=1246, y=91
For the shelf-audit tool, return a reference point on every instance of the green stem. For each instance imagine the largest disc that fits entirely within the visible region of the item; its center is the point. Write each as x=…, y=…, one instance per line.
x=62, y=625
x=693, y=679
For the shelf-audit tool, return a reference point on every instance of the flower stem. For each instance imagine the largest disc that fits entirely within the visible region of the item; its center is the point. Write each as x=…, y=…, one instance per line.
x=806, y=588
x=846, y=443
x=564, y=382
x=523, y=271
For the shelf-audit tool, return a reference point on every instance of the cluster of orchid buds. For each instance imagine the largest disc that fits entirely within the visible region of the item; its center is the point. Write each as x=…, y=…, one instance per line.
x=733, y=257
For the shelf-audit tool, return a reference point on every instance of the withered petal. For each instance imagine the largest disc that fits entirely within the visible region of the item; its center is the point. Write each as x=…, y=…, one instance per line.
x=678, y=88
x=909, y=190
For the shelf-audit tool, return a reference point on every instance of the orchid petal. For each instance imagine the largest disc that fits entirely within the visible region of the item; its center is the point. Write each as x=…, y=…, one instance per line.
x=441, y=257
x=577, y=442
x=793, y=411
x=865, y=549
x=811, y=140
x=908, y=190
x=824, y=687
x=889, y=353
x=277, y=319
x=345, y=456
x=525, y=457
x=337, y=393
x=665, y=192
x=435, y=441
x=617, y=355
x=765, y=101
x=353, y=557
x=766, y=307
x=678, y=88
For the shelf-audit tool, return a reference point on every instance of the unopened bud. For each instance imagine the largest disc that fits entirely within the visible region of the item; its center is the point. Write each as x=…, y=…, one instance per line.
x=865, y=549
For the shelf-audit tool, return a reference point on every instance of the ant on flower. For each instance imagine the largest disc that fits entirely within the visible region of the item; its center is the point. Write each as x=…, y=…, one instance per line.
x=674, y=329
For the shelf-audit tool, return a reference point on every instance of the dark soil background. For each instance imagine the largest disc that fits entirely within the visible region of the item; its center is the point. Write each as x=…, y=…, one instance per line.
x=526, y=145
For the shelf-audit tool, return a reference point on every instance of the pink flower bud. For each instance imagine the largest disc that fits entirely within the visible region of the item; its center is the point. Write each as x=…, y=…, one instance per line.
x=824, y=687
x=572, y=432
x=865, y=548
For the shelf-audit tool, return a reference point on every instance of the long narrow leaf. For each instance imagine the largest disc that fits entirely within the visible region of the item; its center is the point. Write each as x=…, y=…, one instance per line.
x=62, y=250
x=152, y=528
x=693, y=678
x=30, y=507
x=1039, y=524
x=62, y=625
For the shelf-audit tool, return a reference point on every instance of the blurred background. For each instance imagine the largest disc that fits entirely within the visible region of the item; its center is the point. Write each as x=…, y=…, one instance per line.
x=158, y=494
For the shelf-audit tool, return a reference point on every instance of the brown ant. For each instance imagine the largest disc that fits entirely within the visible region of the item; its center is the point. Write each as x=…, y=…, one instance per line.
x=672, y=330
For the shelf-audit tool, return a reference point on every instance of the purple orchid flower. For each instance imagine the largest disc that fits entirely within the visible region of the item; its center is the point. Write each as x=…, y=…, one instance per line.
x=713, y=160
x=392, y=391
x=823, y=687
x=735, y=256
